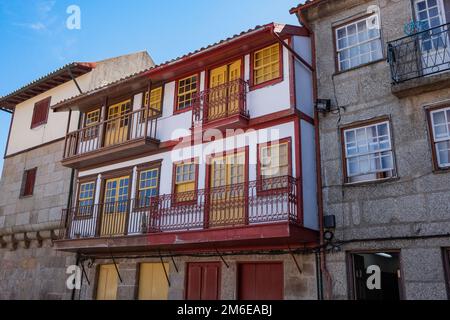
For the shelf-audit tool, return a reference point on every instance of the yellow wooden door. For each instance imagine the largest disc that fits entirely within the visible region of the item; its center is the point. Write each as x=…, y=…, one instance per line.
x=107, y=282
x=227, y=190
x=234, y=73
x=153, y=283
x=118, y=122
x=115, y=207
x=217, y=100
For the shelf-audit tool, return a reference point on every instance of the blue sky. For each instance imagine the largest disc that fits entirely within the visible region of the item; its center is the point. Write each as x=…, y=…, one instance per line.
x=35, y=39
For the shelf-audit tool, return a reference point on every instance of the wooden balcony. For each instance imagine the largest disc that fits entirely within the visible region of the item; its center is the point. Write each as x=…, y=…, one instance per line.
x=125, y=136
x=221, y=107
x=253, y=213
x=420, y=62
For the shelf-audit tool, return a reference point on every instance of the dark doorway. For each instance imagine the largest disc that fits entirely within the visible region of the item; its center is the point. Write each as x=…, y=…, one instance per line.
x=366, y=285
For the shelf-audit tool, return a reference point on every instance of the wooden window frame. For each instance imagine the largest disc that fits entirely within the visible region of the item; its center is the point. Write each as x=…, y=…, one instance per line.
x=195, y=161
x=335, y=45
x=177, y=82
x=363, y=124
x=125, y=172
x=260, y=178
x=434, y=155
x=81, y=182
x=23, y=188
x=34, y=123
x=86, y=136
x=271, y=82
x=142, y=168
x=144, y=94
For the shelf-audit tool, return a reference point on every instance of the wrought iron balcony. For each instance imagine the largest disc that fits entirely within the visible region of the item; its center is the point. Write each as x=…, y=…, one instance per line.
x=131, y=133
x=224, y=105
x=253, y=203
x=421, y=54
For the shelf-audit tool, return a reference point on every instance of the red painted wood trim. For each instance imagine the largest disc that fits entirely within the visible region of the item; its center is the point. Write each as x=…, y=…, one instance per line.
x=252, y=85
x=194, y=160
x=175, y=100
x=299, y=170
x=258, y=162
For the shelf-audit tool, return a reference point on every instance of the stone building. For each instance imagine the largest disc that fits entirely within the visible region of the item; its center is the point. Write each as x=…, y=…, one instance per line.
x=192, y=179
x=35, y=187
x=385, y=143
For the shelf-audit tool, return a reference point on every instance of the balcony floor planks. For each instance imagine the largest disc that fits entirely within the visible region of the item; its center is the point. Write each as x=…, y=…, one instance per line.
x=105, y=155
x=261, y=235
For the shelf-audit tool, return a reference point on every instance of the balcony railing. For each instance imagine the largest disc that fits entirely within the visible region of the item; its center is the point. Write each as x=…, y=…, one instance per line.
x=251, y=203
x=421, y=54
x=220, y=102
x=131, y=126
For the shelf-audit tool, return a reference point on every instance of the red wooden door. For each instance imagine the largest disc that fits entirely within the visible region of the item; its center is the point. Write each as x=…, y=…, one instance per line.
x=203, y=281
x=260, y=281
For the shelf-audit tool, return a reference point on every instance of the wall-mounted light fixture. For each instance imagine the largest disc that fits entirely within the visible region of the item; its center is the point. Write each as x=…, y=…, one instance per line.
x=323, y=105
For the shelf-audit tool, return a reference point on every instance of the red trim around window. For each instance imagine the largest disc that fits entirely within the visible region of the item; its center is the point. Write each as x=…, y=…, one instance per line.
x=40, y=112
x=287, y=140
x=175, y=100
x=174, y=175
x=253, y=86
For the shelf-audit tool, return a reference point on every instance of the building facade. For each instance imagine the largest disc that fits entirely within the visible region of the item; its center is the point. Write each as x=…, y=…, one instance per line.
x=196, y=178
x=385, y=141
x=35, y=187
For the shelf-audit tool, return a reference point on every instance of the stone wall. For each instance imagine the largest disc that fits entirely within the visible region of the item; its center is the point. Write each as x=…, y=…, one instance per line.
x=296, y=286
x=414, y=204
x=29, y=266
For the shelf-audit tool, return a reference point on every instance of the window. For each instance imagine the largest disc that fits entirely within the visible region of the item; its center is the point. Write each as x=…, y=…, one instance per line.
x=266, y=64
x=368, y=153
x=86, y=199
x=440, y=121
x=91, y=119
x=186, y=90
x=274, y=162
x=40, y=113
x=185, y=181
x=28, y=182
x=357, y=43
x=155, y=99
x=148, y=186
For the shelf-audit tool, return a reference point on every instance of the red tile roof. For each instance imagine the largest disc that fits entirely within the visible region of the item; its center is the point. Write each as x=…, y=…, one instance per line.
x=307, y=4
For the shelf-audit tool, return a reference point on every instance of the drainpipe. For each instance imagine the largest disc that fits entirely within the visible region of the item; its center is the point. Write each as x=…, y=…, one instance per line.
x=322, y=260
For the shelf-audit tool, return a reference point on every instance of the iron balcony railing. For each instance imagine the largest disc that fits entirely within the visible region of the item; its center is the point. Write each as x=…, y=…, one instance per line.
x=131, y=126
x=250, y=203
x=220, y=102
x=423, y=53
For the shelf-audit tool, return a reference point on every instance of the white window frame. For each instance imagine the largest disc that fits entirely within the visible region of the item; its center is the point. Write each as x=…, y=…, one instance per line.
x=436, y=140
x=391, y=169
x=358, y=44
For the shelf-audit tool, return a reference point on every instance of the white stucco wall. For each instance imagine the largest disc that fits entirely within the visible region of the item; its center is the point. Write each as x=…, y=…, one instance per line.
x=304, y=76
x=23, y=137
